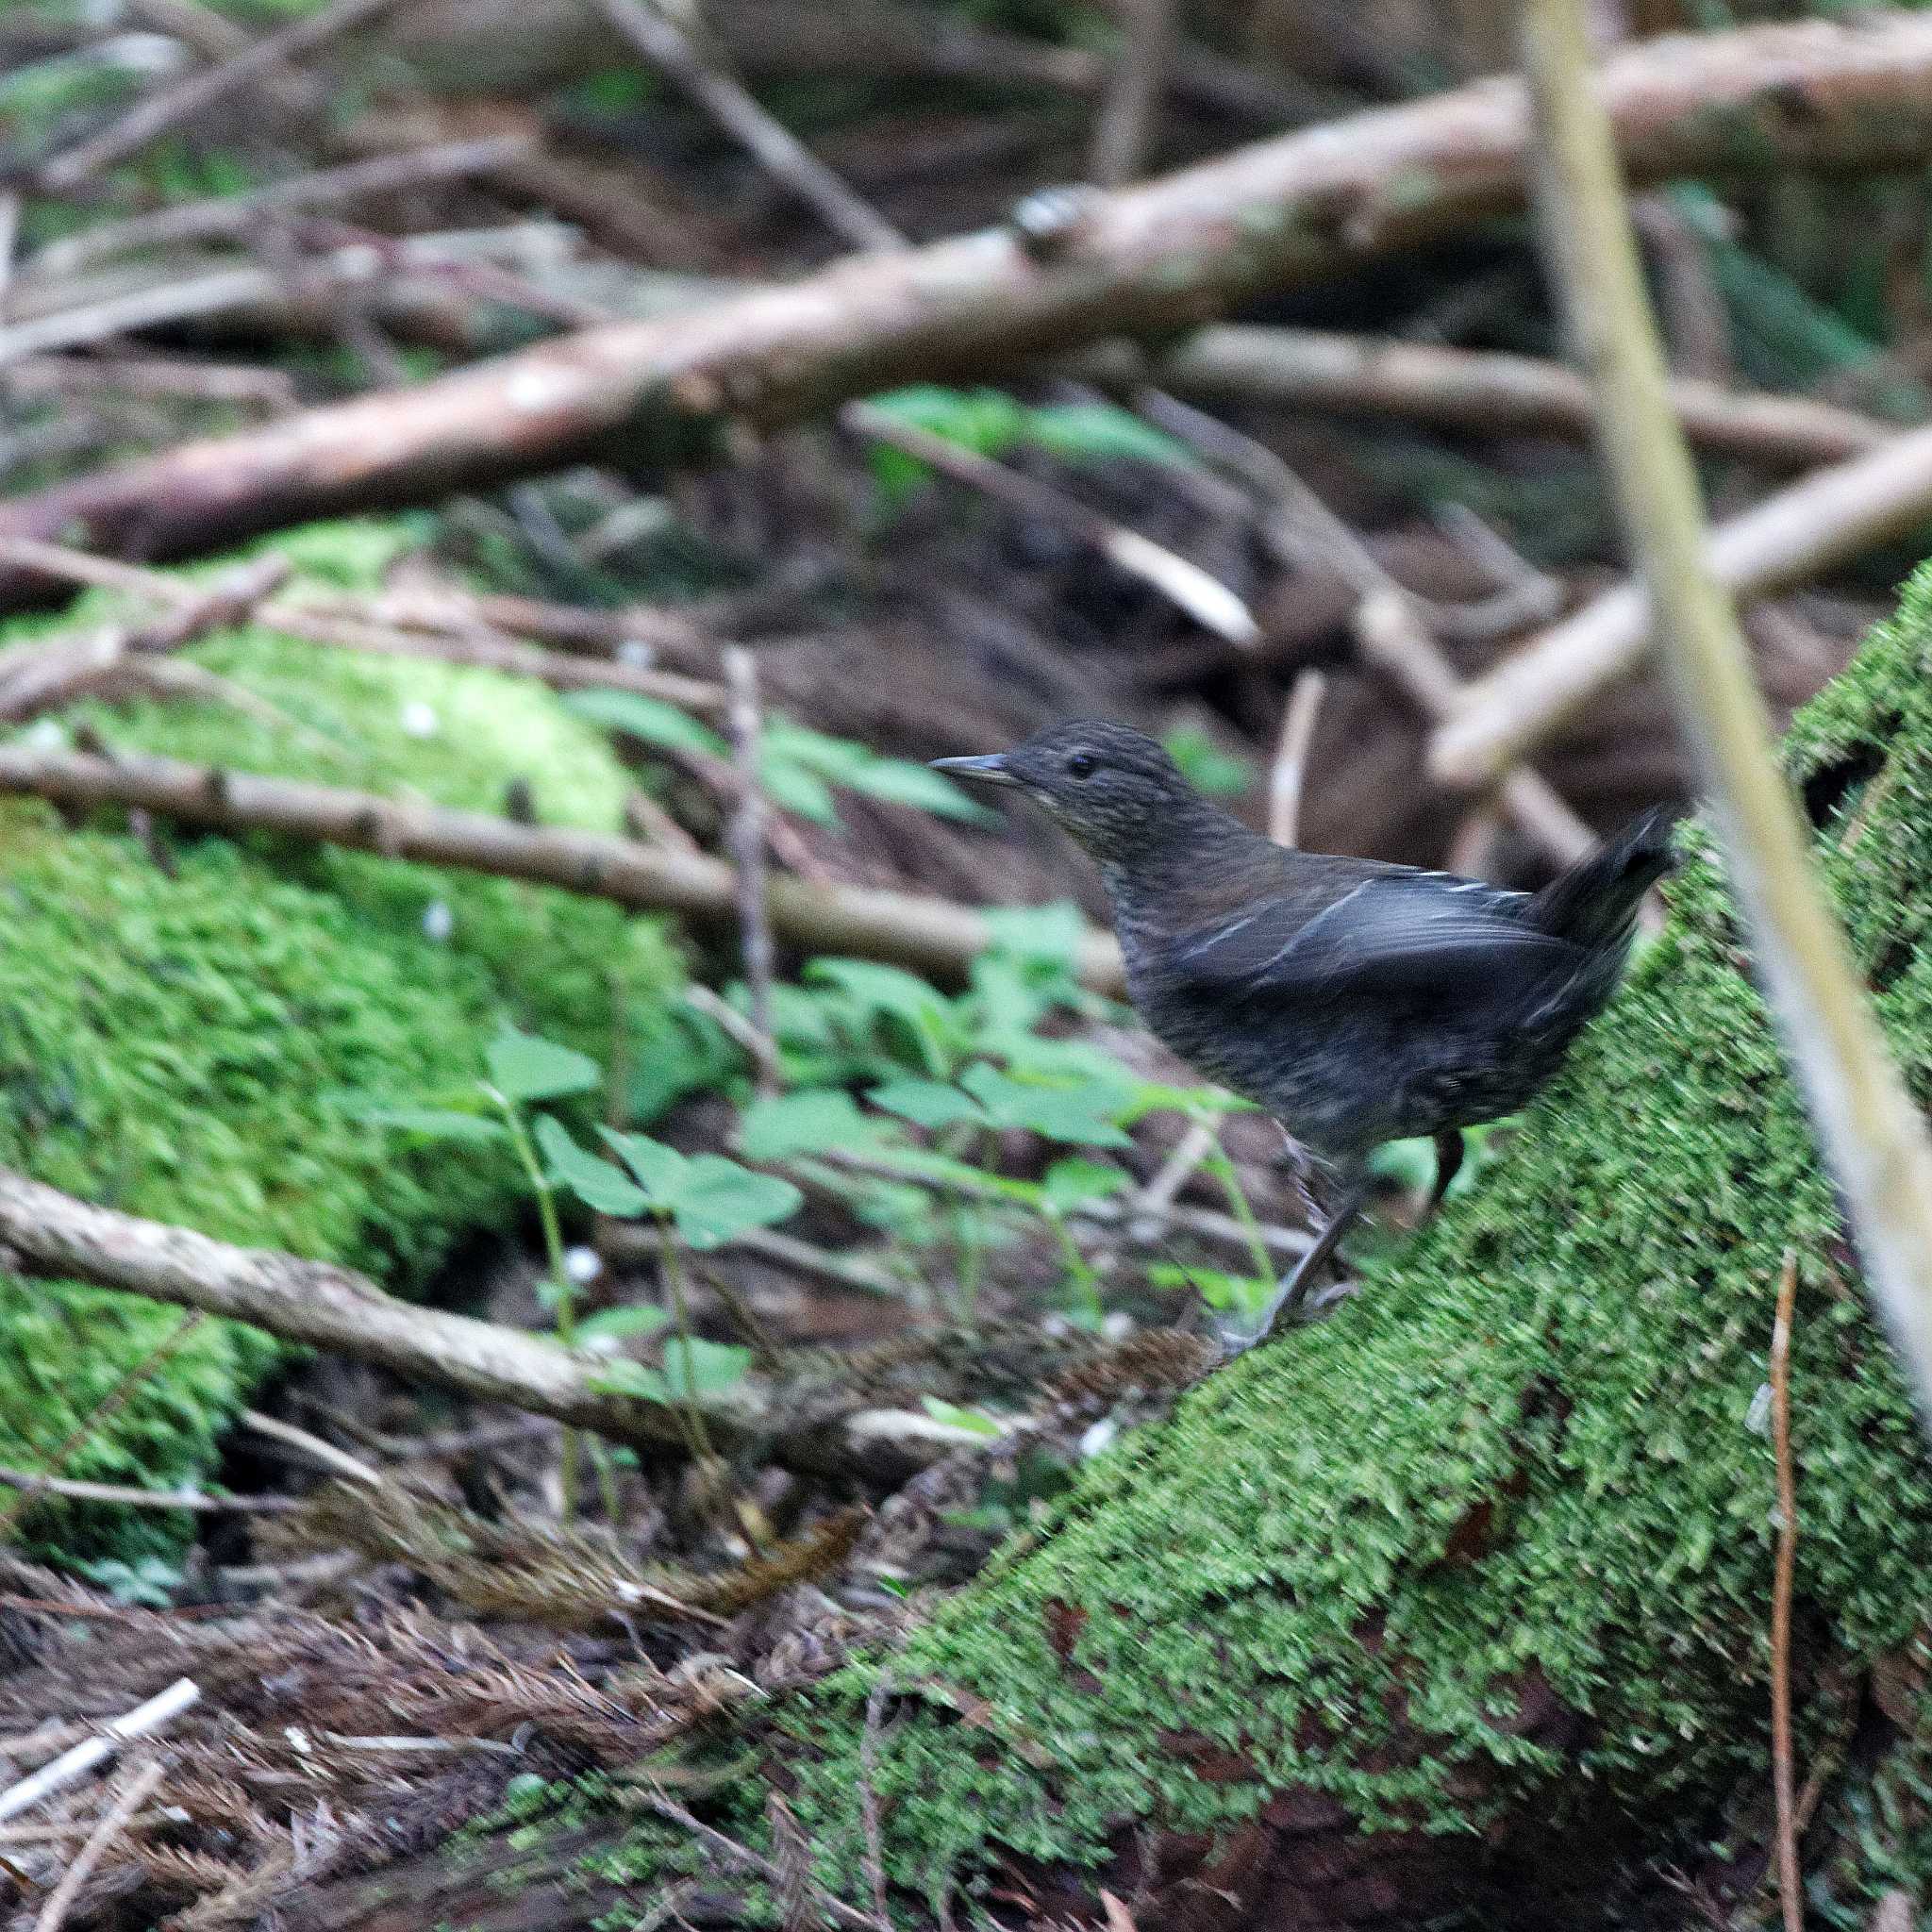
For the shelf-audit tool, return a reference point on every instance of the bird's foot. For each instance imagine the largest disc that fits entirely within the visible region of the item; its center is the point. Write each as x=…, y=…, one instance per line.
x=1290, y=1302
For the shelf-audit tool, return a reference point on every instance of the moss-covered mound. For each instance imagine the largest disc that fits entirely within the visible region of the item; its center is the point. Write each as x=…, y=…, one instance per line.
x=177, y=1042
x=1492, y=1545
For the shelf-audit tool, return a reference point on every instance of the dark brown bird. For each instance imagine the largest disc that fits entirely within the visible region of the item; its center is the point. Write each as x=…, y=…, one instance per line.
x=1356, y=1001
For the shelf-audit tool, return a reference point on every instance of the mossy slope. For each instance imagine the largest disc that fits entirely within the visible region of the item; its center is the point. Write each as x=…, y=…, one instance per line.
x=178, y=1044
x=1526, y=1453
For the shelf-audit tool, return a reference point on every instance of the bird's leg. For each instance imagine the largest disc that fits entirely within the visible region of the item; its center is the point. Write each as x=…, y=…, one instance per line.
x=1292, y=1290
x=1449, y=1150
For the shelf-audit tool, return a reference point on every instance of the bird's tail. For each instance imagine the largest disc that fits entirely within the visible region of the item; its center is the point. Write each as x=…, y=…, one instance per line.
x=1594, y=903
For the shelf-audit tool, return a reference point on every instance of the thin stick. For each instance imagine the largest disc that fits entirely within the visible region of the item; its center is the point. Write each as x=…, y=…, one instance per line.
x=127, y=1498
x=115, y=1400
x=928, y=935
x=41, y=676
x=340, y=1460
x=1866, y=1121
x=1205, y=598
x=747, y=1860
x=172, y=105
x=229, y=215
x=159, y=1710
x=1290, y=771
x=135, y=1792
x=1783, y=1780
x=1125, y=129
x=1484, y=389
x=653, y=32
x=745, y=837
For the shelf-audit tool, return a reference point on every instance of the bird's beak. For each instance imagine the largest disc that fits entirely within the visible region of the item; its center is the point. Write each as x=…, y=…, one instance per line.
x=990, y=770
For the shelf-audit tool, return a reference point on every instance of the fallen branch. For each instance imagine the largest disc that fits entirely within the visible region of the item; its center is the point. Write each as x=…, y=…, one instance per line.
x=1801, y=531
x=1494, y=393
x=1149, y=259
x=138, y=1789
x=146, y=1719
x=47, y=1233
x=928, y=935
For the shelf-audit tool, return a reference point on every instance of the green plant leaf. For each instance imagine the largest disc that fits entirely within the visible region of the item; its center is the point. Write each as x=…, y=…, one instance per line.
x=1077, y=1114
x=1048, y=933
x=794, y=788
x=927, y=1103
x=1102, y=432
x=975, y=1421
x=817, y=1121
x=432, y=1122
x=838, y=759
x=595, y=1182
x=1071, y=1183
x=719, y=1199
x=1204, y=765
x=523, y=1066
x=1241, y=1292
x=622, y=1324
x=660, y=1170
x=619, y=1377
x=651, y=721
x=898, y=781
x=703, y=1368
x=875, y=989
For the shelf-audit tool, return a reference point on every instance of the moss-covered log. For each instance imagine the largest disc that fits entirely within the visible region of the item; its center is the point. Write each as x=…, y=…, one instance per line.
x=179, y=1026
x=1478, y=1571
x=1460, y=1598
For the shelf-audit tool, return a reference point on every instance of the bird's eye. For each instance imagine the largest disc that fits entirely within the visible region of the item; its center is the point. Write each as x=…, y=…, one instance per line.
x=1081, y=764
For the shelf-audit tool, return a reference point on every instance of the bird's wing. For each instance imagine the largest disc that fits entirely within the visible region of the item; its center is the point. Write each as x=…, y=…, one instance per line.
x=1394, y=933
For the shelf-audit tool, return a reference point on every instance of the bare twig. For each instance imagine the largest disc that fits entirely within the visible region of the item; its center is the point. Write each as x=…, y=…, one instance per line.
x=1290, y=771
x=314, y=1447
x=141, y=1721
x=154, y=376
x=649, y=27
x=1205, y=598
x=1783, y=1779
x=746, y=839
x=236, y=214
x=172, y=105
x=1166, y=254
x=928, y=935
x=1866, y=1121
x=110, y=1405
x=1123, y=132
x=42, y=675
x=135, y=1792
x=128, y=1498
x=224, y=291
x=1391, y=637
x=745, y=1859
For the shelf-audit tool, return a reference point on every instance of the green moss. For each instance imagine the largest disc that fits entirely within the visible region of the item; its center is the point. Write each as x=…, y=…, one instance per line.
x=1524, y=1451
x=178, y=1044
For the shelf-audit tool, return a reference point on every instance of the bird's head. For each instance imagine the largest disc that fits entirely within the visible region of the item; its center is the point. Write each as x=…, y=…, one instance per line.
x=1111, y=788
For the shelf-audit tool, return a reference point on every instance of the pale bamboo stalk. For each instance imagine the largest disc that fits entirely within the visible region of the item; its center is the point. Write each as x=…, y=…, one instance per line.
x=1866, y=1124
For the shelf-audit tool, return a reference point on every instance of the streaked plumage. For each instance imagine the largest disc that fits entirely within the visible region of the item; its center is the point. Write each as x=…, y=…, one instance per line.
x=1357, y=1002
